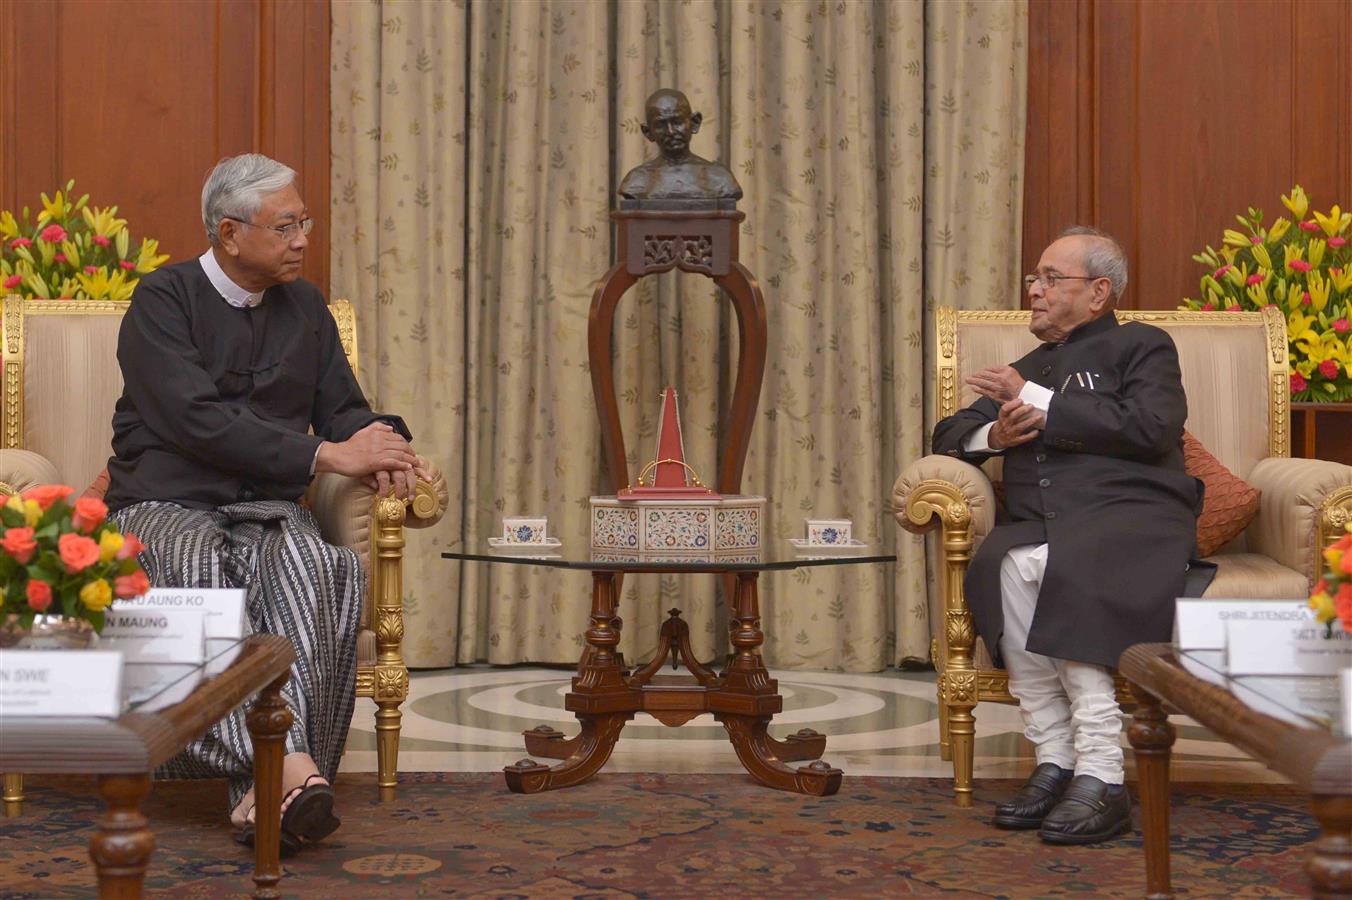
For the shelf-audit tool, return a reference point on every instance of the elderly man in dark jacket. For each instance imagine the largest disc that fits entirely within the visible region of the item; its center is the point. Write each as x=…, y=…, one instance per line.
x=1100, y=527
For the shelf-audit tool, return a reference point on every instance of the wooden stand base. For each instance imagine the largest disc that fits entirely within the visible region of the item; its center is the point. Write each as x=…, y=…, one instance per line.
x=744, y=698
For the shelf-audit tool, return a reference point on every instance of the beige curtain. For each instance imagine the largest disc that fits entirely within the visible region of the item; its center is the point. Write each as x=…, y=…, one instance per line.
x=476, y=148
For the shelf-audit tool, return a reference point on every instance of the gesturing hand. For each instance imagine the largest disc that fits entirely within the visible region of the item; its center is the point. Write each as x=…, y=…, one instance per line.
x=377, y=447
x=999, y=383
x=1018, y=423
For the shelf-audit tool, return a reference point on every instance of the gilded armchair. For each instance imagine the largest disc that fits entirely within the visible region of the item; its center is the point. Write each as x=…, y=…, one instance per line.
x=1234, y=369
x=60, y=382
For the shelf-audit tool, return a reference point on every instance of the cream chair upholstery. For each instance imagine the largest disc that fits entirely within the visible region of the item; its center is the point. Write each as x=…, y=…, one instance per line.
x=1234, y=368
x=60, y=382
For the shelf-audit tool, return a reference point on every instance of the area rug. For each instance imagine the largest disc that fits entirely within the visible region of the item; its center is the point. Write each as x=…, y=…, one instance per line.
x=625, y=835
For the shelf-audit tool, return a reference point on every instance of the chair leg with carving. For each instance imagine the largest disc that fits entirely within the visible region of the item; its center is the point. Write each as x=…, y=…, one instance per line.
x=390, y=682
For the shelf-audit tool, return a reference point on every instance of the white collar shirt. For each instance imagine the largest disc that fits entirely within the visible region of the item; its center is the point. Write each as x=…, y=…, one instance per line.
x=232, y=293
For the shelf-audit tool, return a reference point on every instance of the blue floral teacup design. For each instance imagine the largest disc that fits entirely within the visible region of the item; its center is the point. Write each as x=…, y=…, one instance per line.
x=522, y=530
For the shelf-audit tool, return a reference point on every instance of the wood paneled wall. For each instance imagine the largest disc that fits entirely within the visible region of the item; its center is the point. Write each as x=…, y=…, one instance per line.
x=1158, y=121
x=138, y=99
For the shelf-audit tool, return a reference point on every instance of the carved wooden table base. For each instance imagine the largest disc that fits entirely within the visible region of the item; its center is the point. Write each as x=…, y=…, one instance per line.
x=605, y=695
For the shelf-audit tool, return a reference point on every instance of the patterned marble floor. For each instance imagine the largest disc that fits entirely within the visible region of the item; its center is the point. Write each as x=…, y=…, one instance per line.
x=470, y=720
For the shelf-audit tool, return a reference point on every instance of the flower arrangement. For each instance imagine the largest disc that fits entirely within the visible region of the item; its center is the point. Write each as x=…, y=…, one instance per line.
x=62, y=558
x=1306, y=272
x=72, y=250
x=1332, y=597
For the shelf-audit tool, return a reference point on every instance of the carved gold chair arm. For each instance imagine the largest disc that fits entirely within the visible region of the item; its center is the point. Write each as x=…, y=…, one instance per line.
x=23, y=469
x=940, y=490
x=1304, y=506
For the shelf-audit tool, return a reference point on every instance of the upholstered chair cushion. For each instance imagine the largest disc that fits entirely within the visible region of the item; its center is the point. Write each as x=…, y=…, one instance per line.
x=1230, y=503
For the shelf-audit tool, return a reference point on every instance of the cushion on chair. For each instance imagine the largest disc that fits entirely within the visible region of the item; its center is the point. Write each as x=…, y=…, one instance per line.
x=1252, y=576
x=1230, y=503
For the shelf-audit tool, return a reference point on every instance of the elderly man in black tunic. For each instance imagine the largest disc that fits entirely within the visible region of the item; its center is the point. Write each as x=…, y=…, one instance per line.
x=229, y=361
x=1100, y=528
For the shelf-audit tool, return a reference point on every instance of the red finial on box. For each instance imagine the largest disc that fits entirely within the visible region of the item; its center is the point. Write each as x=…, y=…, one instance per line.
x=672, y=475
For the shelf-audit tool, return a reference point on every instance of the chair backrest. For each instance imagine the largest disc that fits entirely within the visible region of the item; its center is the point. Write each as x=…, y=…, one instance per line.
x=61, y=378
x=1234, y=369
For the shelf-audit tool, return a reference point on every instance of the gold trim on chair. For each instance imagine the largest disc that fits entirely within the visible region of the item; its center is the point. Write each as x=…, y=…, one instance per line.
x=346, y=319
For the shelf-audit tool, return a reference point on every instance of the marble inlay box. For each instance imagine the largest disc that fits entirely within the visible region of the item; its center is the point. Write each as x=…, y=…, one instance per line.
x=712, y=529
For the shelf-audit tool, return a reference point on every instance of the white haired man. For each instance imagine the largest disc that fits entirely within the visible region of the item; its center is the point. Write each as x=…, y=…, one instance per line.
x=230, y=360
x=1099, y=531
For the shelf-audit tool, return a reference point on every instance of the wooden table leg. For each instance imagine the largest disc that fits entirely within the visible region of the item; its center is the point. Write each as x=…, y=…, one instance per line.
x=601, y=698
x=269, y=719
x=1330, y=865
x=1152, y=738
x=122, y=845
x=747, y=699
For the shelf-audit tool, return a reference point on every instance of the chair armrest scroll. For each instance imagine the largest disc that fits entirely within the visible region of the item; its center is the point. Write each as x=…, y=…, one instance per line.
x=937, y=489
x=1304, y=506
x=23, y=469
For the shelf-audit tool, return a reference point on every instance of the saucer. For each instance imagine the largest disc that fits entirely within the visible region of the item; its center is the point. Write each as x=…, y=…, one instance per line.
x=498, y=545
x=849, y=548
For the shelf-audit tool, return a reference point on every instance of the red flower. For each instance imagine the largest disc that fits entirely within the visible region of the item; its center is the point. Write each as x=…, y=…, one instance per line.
x=53, y=234
x=1255, y=278
x=1336, y=242
x=1221, y=271
x=59, y=257
x=1256, y=239
x=1329, y=368
x=20, y=544
x=47, y=494
x=39, y=594
x=1208, y=307
x=130, y=547
x=1234, y=307
x=77, y=552
x=101, y=240
x=20, y=242
x=1300, y=265
x=1310, y=225
x=1305, y=299
x=1341, y=325
x=90, y=270
x=1297, y=383
x=13, y=281
x=1342, y=603
x=133, y=585
x=89, y=514
x=127, y=264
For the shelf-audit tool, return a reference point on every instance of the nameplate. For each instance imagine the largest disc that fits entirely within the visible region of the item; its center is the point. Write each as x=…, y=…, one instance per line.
x=1200, y=624
x=1257, y=647
x=224, y=607
x=156, y=635
x=61, y=683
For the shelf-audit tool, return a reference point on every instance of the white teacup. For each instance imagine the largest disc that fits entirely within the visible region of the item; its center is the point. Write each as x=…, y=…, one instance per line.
x=524, y=530
x=826, y=532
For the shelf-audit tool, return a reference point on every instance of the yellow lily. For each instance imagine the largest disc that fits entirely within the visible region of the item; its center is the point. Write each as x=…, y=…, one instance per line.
x=9, y=228
x=38, y=286
x=1341, y=281
x=1258, y=293
x=72, y=253
x=1298, y=326
x=1278, y=229
x=1334, y=222
x=104, y=221
x=1298, y=203
x=55, y=208
x=1317, y=252
x=1236, y=239
x=1319, y=289
x=147, y=261
x=1293, y=253
x=1324, y=609
x=1260, y=253
x=102, y=286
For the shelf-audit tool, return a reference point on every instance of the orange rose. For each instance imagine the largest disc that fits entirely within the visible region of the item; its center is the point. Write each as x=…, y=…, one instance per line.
x=1342, y=602
x=133, y=585
x=130, y=547
x=77, y=552
x=89, y=514
x=47, y=494
x=20, y=544
x=39, y=594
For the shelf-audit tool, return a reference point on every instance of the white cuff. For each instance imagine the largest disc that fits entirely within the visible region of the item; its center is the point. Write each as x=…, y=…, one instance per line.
x=315, y=462
x=1036, y=395
x=978, y=441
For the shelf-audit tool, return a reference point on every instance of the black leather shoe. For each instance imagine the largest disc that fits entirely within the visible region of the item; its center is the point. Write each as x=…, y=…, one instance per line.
x=1035, y=799
x=1090, y=811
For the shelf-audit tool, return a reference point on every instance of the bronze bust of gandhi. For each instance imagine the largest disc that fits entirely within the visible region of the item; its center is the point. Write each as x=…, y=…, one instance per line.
x=676, y=176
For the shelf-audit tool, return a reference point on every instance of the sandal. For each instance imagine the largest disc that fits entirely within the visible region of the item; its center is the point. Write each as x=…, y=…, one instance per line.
x=307, y=819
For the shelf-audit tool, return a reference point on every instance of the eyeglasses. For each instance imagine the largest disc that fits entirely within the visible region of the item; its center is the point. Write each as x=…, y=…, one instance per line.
x=287, y=231
x=1049, y=279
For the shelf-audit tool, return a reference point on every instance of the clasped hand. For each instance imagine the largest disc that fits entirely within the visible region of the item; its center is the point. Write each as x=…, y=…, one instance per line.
x=1018, y=423
x=379, y=456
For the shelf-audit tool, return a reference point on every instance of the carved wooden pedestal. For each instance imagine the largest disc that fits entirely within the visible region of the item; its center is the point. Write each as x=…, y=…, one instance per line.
x=743, y=697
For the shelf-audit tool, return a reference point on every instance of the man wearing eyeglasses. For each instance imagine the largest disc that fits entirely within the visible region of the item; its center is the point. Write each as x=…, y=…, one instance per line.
x=1098, y=528
x=237, y=392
